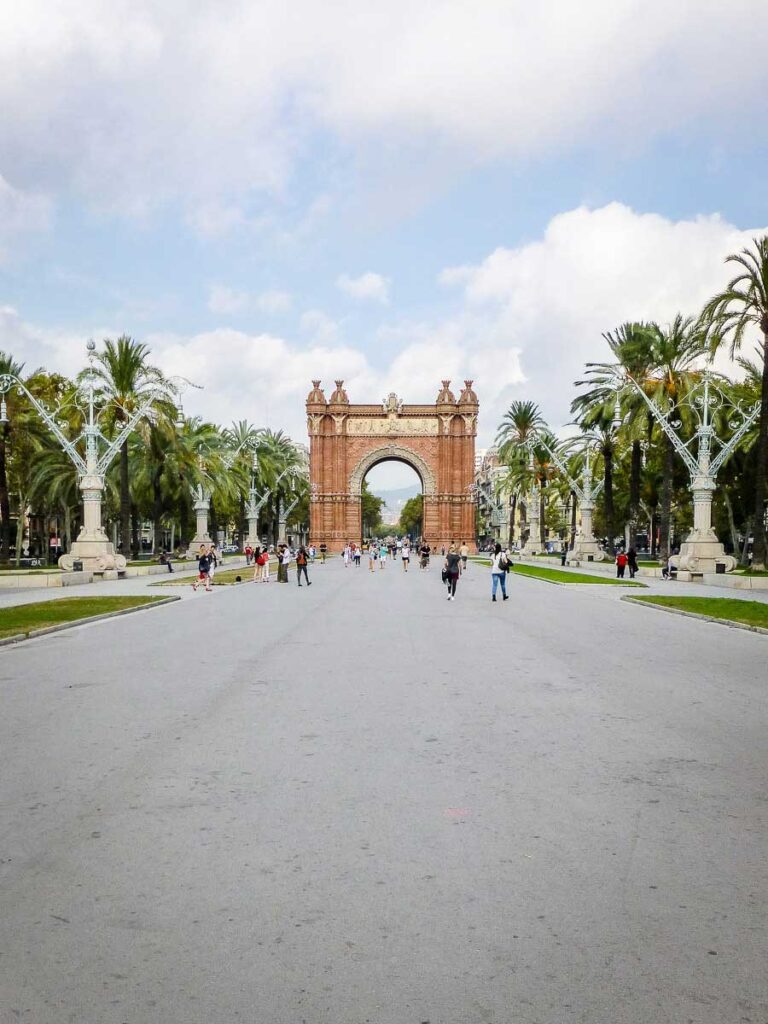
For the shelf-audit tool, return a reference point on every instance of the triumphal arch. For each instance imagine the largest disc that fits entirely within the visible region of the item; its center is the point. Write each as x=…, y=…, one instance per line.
x=438, y=441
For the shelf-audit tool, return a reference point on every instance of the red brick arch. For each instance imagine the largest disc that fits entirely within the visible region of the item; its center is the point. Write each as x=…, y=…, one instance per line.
x=346, y=441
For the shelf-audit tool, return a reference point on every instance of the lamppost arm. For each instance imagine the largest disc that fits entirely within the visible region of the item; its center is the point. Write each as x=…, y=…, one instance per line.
x=663, y=421
x=8, y=381
x=729, y=447
x=561, y=466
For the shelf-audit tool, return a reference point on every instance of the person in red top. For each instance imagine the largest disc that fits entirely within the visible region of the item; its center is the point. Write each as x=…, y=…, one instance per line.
x=248, y=554
x=621, y=564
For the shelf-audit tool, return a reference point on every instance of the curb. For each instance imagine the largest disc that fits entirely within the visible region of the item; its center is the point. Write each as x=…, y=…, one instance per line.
x=18, y=638
x=696, y=615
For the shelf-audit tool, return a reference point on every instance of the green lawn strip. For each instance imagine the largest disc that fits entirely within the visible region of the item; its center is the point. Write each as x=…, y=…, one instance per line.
x=752, y=614
x=750, y=572
x=222, y=577
x=541, y=572
x=23, y=619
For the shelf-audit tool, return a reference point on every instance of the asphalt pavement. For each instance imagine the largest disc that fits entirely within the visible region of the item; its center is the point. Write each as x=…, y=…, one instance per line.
x=364, y=804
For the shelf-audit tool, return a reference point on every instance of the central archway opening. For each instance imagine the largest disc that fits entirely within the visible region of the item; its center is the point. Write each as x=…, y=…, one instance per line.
x=392, y=500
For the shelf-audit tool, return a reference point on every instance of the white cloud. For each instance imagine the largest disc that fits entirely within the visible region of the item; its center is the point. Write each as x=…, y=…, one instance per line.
x=226, y=300
x=21, y=213
x=135, y=104
x=529, y=319
x=319, y=325
x=366, y=286
x=274, y=301
x=592, y=270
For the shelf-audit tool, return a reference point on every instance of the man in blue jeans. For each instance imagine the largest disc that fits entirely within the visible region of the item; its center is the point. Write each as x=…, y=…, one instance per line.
x=499, y=566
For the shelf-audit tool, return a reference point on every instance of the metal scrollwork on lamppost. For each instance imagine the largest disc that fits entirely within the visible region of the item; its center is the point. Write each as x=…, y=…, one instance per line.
x=92, y=549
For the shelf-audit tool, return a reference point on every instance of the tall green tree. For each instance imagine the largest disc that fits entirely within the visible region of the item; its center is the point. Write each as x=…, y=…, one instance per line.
x=126, y=379
x=730, y=317
x=519, y=425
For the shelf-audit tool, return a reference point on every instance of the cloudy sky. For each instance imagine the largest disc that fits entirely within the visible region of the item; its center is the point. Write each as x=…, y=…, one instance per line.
x=387, y=193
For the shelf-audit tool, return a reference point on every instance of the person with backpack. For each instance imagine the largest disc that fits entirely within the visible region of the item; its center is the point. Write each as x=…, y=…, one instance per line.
x=451, y=571
x=261, y=565
x=301, y=566
x=621, y=564
x=499, y=568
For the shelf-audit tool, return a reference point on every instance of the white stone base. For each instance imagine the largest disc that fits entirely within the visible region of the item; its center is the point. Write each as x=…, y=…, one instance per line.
x=96, y=554
x=703, y=556
x=585, y=551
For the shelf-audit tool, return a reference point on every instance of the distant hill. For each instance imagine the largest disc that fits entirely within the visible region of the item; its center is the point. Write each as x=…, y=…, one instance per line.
x=394, y=501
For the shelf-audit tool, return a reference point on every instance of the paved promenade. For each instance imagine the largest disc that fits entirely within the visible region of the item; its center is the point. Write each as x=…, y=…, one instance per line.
x=363, y=804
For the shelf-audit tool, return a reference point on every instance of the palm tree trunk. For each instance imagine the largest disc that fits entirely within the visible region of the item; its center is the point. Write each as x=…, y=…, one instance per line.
x=761, y=469
x=572, y=540
x=214, y=522
x=243, y=523
x=731, y=522
x=66, y=538
x=665, y=515
x=5, y=501
x=135, y=545
x=125, y=500
x=744, y=560
x=635, y=475
x=184, y=520
x=512, y=510
x=608, y=487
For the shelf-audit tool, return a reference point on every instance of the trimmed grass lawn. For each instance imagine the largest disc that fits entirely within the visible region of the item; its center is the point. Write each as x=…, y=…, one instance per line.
x=542, y=572
x=20, y=620
x=729, y=609
x=222, y=577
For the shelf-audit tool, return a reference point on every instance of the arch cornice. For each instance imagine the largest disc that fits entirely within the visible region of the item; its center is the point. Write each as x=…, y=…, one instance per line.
x=392, y=451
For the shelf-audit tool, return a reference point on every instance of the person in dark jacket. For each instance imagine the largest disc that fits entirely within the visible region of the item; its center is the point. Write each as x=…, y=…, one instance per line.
x=452, y=569
x=632, y=562
x=301, y=565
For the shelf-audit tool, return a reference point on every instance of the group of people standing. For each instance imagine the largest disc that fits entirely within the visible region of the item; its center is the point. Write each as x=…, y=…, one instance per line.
x=626, y=560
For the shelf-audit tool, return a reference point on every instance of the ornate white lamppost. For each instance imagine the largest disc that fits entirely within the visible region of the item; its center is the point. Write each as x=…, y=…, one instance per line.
x=202, y=495
x=701, y=551
x=256, y=504
x=93, y=549
x=533, y=543
x=585, y=547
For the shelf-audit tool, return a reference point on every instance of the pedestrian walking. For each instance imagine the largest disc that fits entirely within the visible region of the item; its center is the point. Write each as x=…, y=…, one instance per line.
x=406, y=555
x=621, y=564
x=452, y=568
x=301, y=566
x=312, y=554
x=424, y=553
x=383, y=552
x=464, y=552
x=323, y=552
x=214, y=559
x=203, y=569
x=632, y=563
x=499, y=569
x=372, y=555
x=248, y=554
x=357, y=554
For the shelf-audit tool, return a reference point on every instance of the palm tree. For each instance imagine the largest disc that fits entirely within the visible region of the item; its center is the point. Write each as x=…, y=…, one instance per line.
x=19, y=420
x=519, y=425
x=244, y=438
x=127, y=379
x=729, y=316
x=276, y=455
x=631, y=344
